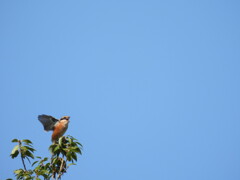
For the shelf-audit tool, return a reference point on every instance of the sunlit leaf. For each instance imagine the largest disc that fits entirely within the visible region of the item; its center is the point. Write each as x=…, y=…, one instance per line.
x=76, y=149
x=56, y=148
x=15, y=151
x=71, y=164
x=70, y=140
x=37, y=168
x=27, y=148
x=18, y=171
x=61, y=140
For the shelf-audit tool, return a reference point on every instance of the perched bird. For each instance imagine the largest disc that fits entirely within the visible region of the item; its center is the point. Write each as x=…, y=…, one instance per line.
x=59, y=127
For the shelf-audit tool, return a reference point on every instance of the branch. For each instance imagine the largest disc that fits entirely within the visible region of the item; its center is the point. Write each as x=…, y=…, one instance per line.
x=60, y=170
x=53, y=171
x=20, y=145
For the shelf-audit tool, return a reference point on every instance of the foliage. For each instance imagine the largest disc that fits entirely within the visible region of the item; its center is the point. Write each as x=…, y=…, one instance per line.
x=63, y=155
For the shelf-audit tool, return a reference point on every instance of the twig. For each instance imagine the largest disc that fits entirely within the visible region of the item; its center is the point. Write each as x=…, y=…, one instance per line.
x=20, y=145
x=53, y=172
x=60, y=170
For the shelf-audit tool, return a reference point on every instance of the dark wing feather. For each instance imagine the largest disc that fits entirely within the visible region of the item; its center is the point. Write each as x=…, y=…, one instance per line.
x=47, y=121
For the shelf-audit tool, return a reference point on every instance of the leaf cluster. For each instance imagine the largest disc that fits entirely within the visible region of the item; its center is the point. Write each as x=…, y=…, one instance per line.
x=63, y=155
x=25, y=149
x=64, y=151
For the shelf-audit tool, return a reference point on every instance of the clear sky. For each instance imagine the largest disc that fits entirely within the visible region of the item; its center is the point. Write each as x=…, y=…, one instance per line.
x=152, y=86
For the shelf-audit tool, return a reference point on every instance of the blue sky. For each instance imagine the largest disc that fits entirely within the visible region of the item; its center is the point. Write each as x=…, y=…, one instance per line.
x=152, y=87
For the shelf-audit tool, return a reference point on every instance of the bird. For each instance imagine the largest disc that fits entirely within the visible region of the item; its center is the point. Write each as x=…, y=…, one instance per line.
x=59, y=127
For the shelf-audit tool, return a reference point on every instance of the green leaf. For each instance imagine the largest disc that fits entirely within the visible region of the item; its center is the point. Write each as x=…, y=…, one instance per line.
x=15, y=152
x=43, y=160
x=69, y=140
x=72, y=138
x=27, y=148
x=37, y=168
x=45, y=176
x=71, y=164
x=74, y=156
x=34, y=163
x=15, y=140
x=30, y=148
x=51, y=148
x=56, y=148
x=18, y=171
x=55, y=160
x=44, y=172
x=29, y=154
x=76, y=150
x=79, y=144
x=47, y=165
x=61, y=140
x=27, y=141
x=69, y=156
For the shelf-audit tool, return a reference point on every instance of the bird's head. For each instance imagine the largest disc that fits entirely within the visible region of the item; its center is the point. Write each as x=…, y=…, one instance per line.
x=65, y=118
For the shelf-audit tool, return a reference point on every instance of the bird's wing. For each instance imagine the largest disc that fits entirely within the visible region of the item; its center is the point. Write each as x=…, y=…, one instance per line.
x=47, y=121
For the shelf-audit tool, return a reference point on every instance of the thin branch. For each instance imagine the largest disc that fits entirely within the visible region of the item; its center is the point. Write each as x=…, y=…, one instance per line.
x=61, y=168
x=53, y=172
x=20, y=145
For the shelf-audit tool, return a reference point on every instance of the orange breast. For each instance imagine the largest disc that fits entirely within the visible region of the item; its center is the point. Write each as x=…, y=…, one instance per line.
x=58, y=131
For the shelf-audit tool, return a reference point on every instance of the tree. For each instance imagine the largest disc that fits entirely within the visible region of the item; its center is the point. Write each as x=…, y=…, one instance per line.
x=63, y=155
